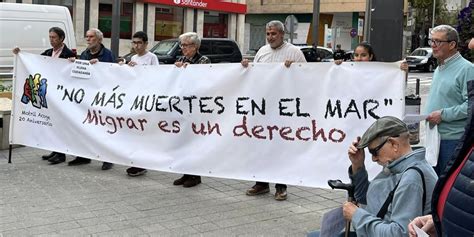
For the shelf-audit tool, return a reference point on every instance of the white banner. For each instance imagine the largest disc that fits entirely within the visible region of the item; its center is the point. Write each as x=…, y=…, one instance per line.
x=265, y=122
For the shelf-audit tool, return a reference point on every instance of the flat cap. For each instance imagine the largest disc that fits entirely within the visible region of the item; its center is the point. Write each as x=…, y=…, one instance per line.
x=384, y=126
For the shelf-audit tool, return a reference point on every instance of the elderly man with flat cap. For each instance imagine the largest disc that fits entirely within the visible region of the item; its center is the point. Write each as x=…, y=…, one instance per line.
x=406, y=176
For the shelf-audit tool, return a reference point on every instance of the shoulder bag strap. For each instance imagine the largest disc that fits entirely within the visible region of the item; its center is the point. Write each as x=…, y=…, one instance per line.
x=383, y=210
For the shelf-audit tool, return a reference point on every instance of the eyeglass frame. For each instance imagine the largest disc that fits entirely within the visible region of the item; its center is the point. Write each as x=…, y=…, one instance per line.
x=375, y=151
x=137, y=42
x=186, y=45
x=437, y=43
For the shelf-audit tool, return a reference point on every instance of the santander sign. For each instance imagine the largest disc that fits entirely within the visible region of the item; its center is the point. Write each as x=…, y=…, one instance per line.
x=191, y=3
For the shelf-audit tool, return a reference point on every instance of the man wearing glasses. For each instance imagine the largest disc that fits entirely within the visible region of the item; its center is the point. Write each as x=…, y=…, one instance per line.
x=406, y=174
x=142, y=58
x=447, y=101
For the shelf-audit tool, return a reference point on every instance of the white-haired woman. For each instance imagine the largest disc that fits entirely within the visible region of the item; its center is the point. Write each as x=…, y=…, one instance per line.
x=189, y=43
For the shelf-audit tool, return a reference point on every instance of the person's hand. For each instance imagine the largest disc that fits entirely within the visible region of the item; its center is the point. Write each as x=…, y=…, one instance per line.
x=357, y=156
x=338, y=62
x=132, y=63
x=425, y=223
x=348, y=210
x=121, y=61
x=404, y=66
x=435, y=117
x=16, y=50
x=71, y=59
x=181, y=64
x=94, y=60
x=244, y=62
x=288, y=63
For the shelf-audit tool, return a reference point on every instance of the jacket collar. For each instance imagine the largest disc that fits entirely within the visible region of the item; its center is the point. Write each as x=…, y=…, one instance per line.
x=406, y=161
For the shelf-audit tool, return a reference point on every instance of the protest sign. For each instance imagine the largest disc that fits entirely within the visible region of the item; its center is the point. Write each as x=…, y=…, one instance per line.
x=265, y=122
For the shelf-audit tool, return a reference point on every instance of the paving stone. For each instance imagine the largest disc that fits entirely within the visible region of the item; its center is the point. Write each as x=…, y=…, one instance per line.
x=38, y=199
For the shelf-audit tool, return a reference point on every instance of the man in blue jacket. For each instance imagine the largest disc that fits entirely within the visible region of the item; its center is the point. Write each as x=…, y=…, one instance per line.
x=95, y=52
x=387, y=140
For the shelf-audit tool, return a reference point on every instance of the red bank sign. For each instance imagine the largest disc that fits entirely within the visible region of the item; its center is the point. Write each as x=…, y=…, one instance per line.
x=212, y=5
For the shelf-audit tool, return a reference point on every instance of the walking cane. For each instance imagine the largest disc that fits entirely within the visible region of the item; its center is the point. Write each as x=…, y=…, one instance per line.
x=338, y=184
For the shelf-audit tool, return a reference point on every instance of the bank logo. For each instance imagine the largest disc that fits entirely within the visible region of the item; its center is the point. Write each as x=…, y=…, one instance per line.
x=34, y=91
x=177, y=1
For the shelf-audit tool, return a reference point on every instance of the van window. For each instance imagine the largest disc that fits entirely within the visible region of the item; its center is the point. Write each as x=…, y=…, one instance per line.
x=205, y=48
x=223, y=47
x=36, y=31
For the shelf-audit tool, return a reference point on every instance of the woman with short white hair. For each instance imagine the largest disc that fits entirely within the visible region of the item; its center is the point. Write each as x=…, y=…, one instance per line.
x=189, y=43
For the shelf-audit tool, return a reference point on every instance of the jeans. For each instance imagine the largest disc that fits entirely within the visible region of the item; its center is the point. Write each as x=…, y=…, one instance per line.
x=446, y=151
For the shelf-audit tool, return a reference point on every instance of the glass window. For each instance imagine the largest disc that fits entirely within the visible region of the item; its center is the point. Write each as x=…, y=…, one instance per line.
x=126, y=18
x=168, y=22
x=205, y=48
x=223, y=47
x=64, y=3
x=215, y=24
x=164, y=47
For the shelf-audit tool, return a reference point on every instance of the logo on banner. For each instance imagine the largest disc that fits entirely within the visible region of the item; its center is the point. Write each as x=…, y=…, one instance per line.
x=34, y=91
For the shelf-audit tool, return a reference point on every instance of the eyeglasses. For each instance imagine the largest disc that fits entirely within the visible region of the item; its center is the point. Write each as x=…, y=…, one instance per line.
x=437, y=42
x=137, y=42
x=375, y=151
x=185, y=45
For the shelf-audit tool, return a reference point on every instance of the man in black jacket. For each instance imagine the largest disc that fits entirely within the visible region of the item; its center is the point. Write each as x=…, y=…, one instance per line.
x=58, y=50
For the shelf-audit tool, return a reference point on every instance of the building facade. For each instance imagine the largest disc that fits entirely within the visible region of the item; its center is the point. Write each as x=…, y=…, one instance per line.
x=161, y=19
x=338, y=18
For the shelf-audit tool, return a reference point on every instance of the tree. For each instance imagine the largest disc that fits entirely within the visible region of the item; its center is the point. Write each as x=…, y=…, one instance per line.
x=466, y=30
x=424, y=18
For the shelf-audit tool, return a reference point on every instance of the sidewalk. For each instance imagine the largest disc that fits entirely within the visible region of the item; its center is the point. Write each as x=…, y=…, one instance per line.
x=57, y=200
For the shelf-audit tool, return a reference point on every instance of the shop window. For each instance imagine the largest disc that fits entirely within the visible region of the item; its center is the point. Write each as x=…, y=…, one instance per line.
x=64, y=3
x=126, y=18
x=215, y=24
x=168, y=22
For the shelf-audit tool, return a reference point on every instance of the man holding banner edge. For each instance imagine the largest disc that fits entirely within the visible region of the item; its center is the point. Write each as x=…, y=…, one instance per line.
x=277, y=50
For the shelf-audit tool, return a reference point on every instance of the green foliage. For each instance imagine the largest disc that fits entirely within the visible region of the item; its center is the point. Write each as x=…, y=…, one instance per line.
x=466, y=30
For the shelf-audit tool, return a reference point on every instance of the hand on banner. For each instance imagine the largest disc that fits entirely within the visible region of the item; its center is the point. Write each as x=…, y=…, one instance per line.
x=121, y=61
x=72, y=59
x=94, y=60
x=356, y=156
x=245, y=62
x=16, y=50
x=181, y=64
x=425, y=223
x=434, y=117
x=404, y=66
x=132, y=63
x=288, y=63
x=348, y=210
x=338, y=62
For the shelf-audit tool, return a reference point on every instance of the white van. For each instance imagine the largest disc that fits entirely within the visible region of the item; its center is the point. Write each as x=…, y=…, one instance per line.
x=27, y=26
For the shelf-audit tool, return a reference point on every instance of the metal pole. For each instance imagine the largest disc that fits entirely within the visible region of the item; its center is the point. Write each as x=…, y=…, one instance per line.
x=368, y=13
x=315, y=32
x=292, y=29
x=434, y=10
x=115, y=37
